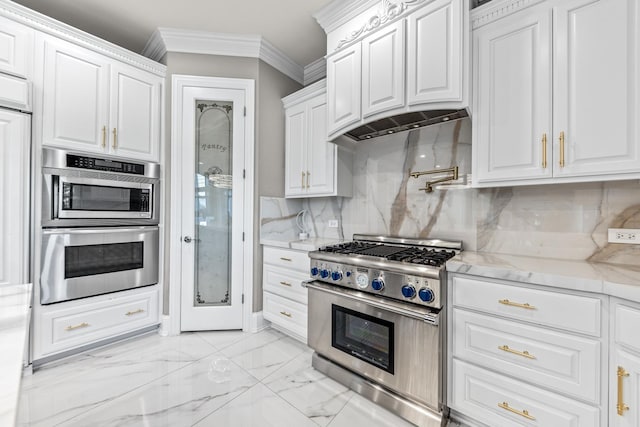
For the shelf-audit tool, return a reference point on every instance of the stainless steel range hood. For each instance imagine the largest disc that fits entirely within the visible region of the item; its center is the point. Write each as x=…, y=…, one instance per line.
x=402, y=122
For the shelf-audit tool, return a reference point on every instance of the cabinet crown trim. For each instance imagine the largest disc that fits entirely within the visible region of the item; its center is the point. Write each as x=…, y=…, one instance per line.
x=497, y=9
x=40, y=22
x=339, y=12
x=165, y=40
x=311, y=91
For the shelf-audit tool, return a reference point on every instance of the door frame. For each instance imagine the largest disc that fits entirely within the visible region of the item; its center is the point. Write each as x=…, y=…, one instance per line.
x=178, y=83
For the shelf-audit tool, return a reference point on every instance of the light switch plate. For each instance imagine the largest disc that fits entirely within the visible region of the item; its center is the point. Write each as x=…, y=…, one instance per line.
x=624, y=235
x=333, y=223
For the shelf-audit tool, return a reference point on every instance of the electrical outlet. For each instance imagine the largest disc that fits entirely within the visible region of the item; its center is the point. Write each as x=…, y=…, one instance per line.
x=624, y=235
x=333, y=223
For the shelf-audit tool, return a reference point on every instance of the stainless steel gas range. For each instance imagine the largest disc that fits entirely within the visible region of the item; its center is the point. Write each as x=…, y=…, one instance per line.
x=376, y=321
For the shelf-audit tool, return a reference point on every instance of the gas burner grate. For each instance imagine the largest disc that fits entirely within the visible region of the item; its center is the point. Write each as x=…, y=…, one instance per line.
x=432, y=257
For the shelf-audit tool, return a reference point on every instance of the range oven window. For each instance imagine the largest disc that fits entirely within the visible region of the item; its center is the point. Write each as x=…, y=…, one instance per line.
x=88, y=260
x=84, y=197
x=365, y=337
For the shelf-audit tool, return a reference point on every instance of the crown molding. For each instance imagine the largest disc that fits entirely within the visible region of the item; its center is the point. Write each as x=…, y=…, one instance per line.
x=165, y=40
x=339, y=12
x=315, y=71
x=308, y=92
x=497, y=9
x=45, y=24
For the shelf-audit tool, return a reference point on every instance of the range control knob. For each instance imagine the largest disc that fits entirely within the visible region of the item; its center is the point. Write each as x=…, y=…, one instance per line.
x=377, y=284
x=348, y=273
x=336, y=275
x=324, y=273
x=408, y=291
x=426, y=295
x=315, y=271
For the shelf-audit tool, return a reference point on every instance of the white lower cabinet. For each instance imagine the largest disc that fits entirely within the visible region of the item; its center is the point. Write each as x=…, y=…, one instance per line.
x=524, y=356
x=68, y=326
x=284, y=297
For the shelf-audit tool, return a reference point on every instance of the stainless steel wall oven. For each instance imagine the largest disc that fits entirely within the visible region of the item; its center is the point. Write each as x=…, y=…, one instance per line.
x=99, y=225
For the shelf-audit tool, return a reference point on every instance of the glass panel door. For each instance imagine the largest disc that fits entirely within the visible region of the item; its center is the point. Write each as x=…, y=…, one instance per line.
x=213, y=202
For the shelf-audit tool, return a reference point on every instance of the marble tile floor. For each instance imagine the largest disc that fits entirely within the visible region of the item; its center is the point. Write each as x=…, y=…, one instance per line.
x=224, y=379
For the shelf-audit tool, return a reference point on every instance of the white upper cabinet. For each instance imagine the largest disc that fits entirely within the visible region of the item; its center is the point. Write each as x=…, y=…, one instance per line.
x=394, y=58
x=16, y=48
x=93, y=103
x=313, y=166
x=556, y=92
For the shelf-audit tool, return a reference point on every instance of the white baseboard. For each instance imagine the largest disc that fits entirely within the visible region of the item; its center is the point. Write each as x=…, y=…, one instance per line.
x=257, y=322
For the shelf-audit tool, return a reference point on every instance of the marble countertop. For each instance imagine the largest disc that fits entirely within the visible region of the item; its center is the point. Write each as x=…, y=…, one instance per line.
x=15, y=301
x=621, y=281
x=310, y=244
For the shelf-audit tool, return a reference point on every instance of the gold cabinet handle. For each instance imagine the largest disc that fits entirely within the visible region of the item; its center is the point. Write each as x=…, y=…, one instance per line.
x=621, y=407
x=131, y=313
x=308, y=175
x=524, y=413
x=544, y=151
x=285, y=283
x=115, y=138
x=562, y=149
x=302, y=182
x=284, y=313
x=104, y=137
x=526, y=305
x=519, y=353
x=285, y=259
x=80, y=326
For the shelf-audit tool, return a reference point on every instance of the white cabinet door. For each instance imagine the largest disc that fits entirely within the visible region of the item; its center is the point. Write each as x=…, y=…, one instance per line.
x=14, y=193
x=75, y=97
x=135, y=113
x=435, y=52
x=295, y=141
x=512, y=97
x=624, y=389
x=16, y=48
x=321, y=155
x=344, y=88
x=383, y=70
x=596, y=93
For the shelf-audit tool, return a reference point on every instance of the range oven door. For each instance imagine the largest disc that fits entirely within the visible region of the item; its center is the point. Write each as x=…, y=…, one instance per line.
x=392, y=344
x=78, y=263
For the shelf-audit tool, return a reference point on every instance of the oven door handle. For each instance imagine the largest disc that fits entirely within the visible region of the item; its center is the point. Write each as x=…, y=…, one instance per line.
x=388, y=305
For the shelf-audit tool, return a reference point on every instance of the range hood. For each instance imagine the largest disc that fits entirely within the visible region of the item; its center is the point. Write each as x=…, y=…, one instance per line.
x=403, y=122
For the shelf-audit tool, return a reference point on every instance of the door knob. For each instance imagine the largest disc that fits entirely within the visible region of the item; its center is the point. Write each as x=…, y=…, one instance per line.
x=187, y=239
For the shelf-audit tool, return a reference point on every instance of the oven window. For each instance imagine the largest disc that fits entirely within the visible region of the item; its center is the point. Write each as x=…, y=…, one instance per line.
x=363, y=336
x=84, y=197
x=88, y=260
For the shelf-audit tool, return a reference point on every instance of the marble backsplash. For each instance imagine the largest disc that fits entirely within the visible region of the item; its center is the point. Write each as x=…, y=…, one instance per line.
x=564, y=221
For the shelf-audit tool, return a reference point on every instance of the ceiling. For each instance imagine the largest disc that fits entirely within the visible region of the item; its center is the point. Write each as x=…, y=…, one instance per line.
x=287, y=24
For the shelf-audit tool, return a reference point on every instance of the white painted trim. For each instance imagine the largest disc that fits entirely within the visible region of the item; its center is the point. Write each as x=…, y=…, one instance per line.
x=258, y=322
x=315, y=71
x=178, y=83
x=339, y=12
x=308, y=92
x=166, y=40
x=49, y=25
x=497, y=9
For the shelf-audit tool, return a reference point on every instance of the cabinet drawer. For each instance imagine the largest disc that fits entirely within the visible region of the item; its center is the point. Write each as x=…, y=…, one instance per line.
x=559, y=361
x=485, y=396
x=627, y=320
x=73, y=327
x=570, y=312
x=287, y=258
x=285, y=313
x=285, y=283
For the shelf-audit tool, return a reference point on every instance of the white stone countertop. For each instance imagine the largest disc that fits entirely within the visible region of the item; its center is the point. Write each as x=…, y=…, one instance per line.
x=310, y=244
x=15, y=301
x=621, y=281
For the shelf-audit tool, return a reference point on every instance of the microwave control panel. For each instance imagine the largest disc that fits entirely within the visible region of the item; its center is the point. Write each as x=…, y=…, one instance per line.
x=94, y=163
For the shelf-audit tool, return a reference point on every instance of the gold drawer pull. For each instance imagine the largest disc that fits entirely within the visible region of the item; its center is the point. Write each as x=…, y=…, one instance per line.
x=308, y=175
x=285, y=259
x=104, y=136
x=544, y=151
x=621, y=407
x=519, y=353
x=138, y=311
x=115, y=138
x=80, y=326
x=285, y=283
x=562, y=149
x=284, y=313
x=524, y=413
x=302, y=180
x=517, y=304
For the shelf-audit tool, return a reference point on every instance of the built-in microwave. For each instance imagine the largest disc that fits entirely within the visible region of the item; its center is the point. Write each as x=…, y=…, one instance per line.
x=81, y=190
